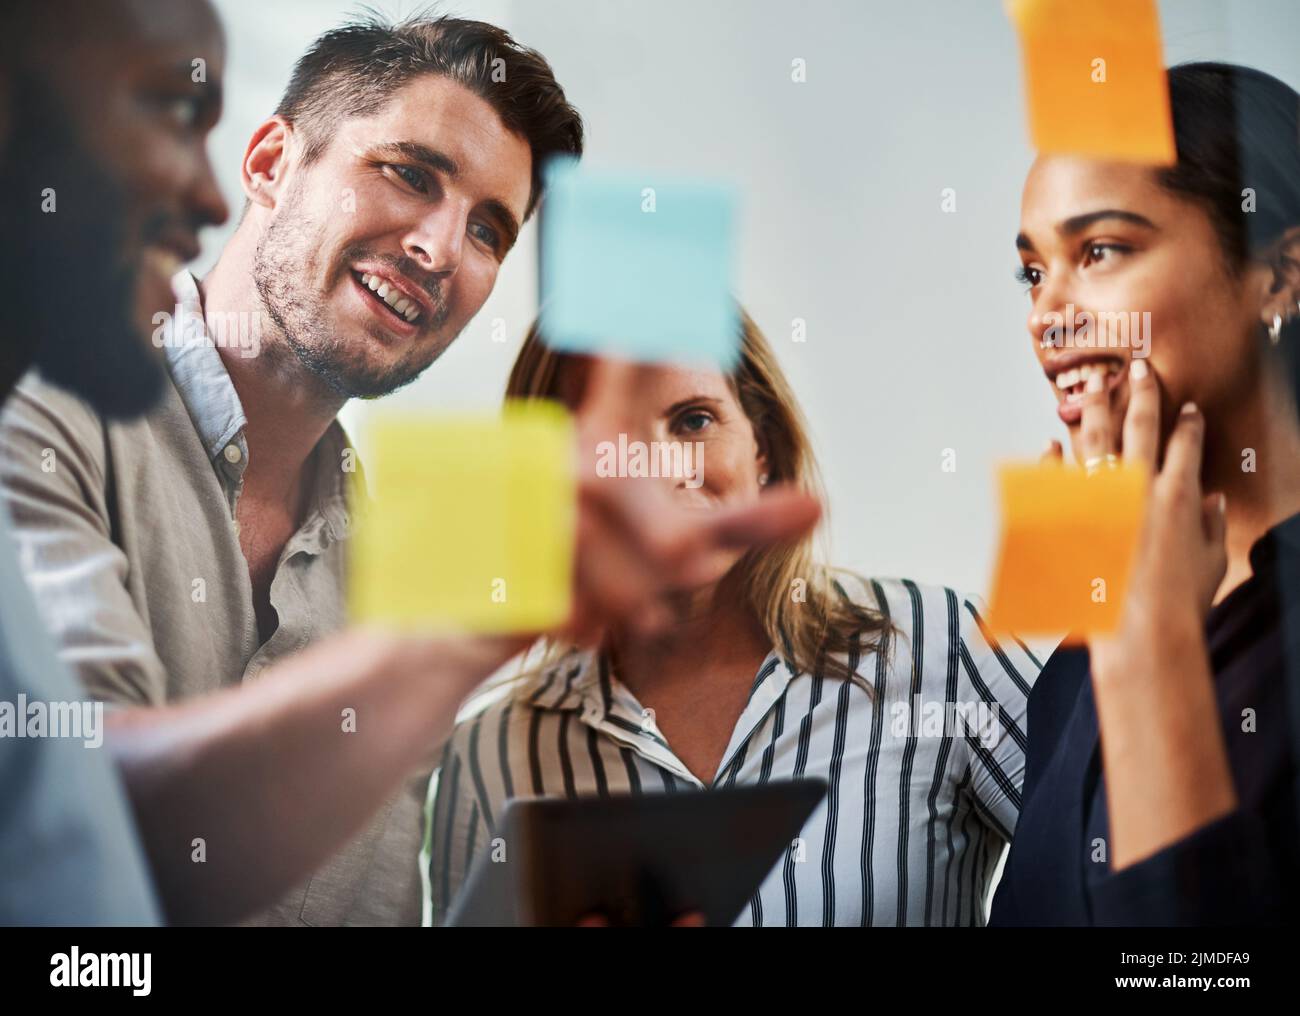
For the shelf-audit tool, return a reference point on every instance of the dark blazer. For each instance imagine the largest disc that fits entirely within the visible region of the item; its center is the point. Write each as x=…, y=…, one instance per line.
x=1241, y=869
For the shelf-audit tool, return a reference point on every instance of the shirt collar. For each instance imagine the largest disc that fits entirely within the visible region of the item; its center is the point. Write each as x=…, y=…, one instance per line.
x=581, y=681
x=1282, y=539
x=198, y=372
x=564, y=684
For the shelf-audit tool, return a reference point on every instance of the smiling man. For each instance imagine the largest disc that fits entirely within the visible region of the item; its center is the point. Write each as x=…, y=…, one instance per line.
x=375, y=235
x=191, y=549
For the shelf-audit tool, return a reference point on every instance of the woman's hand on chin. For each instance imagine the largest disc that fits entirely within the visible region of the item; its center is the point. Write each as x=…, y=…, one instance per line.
x=1163, y=751
x=1181, y=556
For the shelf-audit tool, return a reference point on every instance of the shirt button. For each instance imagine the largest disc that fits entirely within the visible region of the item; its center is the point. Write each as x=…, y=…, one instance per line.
x=232, y=453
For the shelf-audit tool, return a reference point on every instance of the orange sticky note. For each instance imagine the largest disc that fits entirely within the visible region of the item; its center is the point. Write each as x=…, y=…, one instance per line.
x=471, y=523
x=1095, y=79
x=1067, y=548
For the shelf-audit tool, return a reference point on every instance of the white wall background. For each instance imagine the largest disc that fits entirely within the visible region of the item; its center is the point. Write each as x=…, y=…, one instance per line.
x=916, y=341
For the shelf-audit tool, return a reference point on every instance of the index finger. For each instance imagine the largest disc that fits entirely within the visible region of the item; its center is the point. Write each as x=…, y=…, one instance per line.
x=1095, y=435
x=780, y=513
x=1142, y=420
x=778, y=516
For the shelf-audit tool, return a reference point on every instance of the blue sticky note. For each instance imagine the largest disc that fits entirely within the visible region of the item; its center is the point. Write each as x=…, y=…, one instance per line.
x=638, y=266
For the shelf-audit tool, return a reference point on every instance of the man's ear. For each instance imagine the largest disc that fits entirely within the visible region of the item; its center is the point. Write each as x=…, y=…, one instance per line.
x=266, y=162
x=1283, y=296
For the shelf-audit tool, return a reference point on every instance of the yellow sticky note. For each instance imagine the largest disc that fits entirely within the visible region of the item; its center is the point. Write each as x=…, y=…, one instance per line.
x=1095, y=79
x=1068, y=542
x=471, y=523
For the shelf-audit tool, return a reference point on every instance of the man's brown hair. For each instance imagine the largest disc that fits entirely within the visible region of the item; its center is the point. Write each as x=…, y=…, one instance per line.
x=353, y=70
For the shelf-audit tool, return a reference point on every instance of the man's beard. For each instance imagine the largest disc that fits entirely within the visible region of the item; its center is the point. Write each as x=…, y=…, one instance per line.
x=67, y=284
x=284, y=260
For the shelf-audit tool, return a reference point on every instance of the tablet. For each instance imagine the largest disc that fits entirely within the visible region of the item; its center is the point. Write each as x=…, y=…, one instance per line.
x=633, y=859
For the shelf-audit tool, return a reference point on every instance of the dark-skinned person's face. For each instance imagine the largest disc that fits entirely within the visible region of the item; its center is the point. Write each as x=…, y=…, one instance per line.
x=106, y=183
x=1106, y=240
x=375, y=254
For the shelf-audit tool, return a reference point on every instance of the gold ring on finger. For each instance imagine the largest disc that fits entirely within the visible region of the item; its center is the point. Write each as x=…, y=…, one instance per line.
x=1093, y=465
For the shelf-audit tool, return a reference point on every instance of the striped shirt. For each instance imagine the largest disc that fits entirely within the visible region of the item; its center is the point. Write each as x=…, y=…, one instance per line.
x=922, y=750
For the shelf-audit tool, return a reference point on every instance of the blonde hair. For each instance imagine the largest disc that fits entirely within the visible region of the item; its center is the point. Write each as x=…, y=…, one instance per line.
x=826, y=622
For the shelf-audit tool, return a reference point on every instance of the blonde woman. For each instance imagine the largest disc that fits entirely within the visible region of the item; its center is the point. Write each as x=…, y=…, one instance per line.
x=773, y=667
